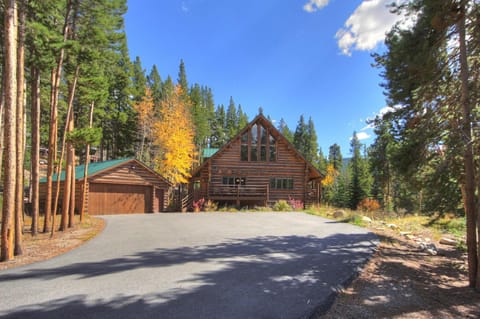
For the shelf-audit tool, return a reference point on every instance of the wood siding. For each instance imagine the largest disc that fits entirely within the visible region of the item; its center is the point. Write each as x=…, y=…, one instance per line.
x=123, y=189
x=43, y=195
x=257, y=174
x=119, y=199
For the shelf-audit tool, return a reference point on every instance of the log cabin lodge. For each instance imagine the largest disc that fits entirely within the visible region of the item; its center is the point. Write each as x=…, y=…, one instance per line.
x=258, y=167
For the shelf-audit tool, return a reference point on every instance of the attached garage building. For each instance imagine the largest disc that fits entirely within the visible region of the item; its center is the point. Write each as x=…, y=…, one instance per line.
x=122, y=186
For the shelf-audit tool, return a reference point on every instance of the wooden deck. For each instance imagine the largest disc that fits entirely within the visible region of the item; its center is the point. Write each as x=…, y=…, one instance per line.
x=240, y=193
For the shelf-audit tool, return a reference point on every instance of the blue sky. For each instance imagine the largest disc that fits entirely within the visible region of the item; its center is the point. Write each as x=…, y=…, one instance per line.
x=290, y=57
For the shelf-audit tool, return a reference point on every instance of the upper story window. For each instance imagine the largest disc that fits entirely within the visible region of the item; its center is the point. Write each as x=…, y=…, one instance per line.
x=258, y=145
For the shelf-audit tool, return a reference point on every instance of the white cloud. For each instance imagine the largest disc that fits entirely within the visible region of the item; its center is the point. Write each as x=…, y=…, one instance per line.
x=367, y=26
x=185, y=7
x=363, y=136
x=315, y=5
x=386, y=109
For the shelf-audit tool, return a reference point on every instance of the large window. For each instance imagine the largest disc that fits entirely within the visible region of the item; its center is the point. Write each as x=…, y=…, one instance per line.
x=258, y=145
x=281, y=183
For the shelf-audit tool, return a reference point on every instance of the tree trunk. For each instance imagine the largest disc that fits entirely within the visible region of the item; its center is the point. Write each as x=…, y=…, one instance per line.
x=52, y=157
x=468, y=160
x=52, y=141
x=67, y=184
x=71, y=216
x=9, y=182
x=87, y=161
x=19, y=196
x=35, y=148
x=2, y=104
x=2, y=107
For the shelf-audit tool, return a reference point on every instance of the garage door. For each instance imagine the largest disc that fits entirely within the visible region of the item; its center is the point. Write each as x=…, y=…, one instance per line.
x=119, y=199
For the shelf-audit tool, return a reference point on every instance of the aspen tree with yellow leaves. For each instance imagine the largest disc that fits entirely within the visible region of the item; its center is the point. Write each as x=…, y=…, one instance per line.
x=174, y=136
x=328, y=183
x=145, y=112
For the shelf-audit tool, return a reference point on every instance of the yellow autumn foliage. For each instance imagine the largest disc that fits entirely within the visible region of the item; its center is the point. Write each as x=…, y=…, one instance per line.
x=145, y=113
x=330, y=176
x=174, y=133
x=144, y=108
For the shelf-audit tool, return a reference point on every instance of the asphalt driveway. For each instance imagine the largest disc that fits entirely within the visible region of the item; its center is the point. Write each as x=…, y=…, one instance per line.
x=214, y=265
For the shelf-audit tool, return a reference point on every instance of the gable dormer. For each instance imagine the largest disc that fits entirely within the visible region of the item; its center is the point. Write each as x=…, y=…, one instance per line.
x=258, y=144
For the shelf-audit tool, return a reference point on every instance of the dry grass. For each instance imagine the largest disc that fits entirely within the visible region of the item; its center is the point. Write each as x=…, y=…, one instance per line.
x=43, y=246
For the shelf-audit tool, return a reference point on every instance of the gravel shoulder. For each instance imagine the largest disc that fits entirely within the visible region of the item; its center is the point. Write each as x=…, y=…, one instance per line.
x=403, y=281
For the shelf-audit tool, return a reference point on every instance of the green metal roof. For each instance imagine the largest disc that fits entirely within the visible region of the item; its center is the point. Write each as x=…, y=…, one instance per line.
x=209, y=152
x=92, y=169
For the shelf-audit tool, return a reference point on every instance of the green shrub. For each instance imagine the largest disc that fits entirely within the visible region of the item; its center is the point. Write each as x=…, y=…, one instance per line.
x=210, y=206
x=282, y=206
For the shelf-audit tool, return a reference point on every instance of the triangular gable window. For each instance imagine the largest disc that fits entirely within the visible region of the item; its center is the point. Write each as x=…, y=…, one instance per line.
x=258, y=145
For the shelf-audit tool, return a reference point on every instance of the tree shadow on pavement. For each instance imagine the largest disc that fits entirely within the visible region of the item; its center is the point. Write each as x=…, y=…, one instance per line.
x=262, y=277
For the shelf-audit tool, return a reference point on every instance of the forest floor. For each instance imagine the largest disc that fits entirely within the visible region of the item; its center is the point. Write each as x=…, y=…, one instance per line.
x=403, y=280
x=43, y=246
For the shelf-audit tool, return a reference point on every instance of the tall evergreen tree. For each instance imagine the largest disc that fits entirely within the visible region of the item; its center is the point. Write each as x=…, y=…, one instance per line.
x=182, y=77
x=242, y=118
x=321, y=162
x=380, y=162
x=428, y=72
x=199, y=116
x=9, y=176
x=283, y=128
x=300, y=135
x=168, y=87
x=231, y=119
x=155, y=84
x=311, y=142
x=139, y=80
x=219, y=136
x=335, y=157
x=359, y=183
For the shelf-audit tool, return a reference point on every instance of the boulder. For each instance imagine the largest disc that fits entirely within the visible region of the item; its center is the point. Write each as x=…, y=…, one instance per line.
x=448, y=241
x=366, y=219
x=429, y=248
x=339, y=214
x=405, y=233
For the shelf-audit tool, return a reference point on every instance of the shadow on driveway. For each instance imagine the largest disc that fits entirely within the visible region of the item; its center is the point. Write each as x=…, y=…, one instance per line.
x=262, y=277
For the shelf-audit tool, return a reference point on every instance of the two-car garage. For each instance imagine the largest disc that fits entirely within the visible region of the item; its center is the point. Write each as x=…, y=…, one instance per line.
x=119, y=199
x=125, y=186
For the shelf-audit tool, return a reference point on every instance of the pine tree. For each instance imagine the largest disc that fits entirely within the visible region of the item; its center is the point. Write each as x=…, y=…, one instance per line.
x=219, y=136
x=199, y=116
x=335, y=157
x=139, y=80
x=9, y=176
x=231, y=125
x=359, y=183
x=299, y=136
x=286, y=132
x=311, y=142
x=242, y=118
x=168, y=87
x=428, y=72
x=380, y=154
x=321, y=162
x=182, y=77
x=155, y=84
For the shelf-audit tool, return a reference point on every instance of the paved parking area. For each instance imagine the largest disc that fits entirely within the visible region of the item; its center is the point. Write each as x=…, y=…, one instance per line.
x=212, y=265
